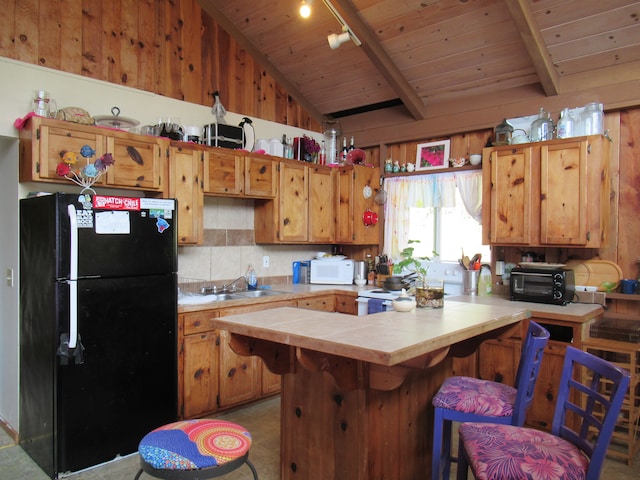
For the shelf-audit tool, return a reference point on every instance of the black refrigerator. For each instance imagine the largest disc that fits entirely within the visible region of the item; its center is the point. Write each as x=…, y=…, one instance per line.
x=98, y=319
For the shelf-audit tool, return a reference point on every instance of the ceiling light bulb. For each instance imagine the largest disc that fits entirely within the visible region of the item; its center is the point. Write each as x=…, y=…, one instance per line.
x=305, y=10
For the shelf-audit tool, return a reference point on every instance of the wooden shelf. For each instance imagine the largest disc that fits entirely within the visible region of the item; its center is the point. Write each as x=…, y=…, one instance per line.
x=430, y=171
x=623, y=296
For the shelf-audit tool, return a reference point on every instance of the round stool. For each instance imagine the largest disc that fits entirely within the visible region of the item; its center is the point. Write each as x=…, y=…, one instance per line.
x=195, y=449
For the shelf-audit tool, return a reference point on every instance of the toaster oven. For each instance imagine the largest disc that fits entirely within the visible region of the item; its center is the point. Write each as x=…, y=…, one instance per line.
x=542, y=285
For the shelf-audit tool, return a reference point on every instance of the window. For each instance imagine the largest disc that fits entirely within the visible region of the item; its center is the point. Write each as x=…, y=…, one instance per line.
x=431, y=208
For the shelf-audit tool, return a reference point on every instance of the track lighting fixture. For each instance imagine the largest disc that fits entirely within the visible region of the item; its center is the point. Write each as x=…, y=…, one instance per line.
x=334, y=39
x=305, y=9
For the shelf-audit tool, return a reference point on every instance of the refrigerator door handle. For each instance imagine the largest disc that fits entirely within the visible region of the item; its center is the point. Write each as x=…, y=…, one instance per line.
x=73, y=277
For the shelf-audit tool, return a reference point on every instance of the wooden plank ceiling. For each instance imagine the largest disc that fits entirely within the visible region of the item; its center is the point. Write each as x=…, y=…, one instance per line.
x=422, y=52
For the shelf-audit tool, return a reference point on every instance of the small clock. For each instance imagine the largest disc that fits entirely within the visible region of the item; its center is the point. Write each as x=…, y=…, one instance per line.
x=367, y=192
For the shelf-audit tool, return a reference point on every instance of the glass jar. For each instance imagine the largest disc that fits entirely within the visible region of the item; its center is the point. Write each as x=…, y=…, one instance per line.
x=592, y=119
x=566, y=125
x=541, y=127
x=332, y=130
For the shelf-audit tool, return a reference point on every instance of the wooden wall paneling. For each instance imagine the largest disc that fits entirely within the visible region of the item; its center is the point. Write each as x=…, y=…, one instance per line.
x=129, y=44
x=7, y=30
x=146, y=40
x=26, y=37
x=224, y=59
x=92, y=60
x=209, y=52
x=280, y=105
x=268, y=97
x=159, y=48
x=49, y=41
x=173, y=47
x=70, y=37
x=459, y=146
x=114, y=31
x=191, y=58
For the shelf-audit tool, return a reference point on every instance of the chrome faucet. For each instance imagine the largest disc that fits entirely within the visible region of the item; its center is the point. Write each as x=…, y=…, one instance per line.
x=231, y=287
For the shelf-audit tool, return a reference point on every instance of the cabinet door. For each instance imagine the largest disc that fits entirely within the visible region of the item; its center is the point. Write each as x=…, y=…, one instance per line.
x=540, y=412
x=271, y=382
x=366, y=184
x=321, y=205
x=49, y=142
x=293, y=211
x=260, y=176
x=324, y=304
x=344, y=206
x=223, y=173
x=512, y=196
x=239, y=375
x=185, y=167
x=346, y=304
x=498, y=360
x=137, y=162
x=200, y=377
x=563, y=194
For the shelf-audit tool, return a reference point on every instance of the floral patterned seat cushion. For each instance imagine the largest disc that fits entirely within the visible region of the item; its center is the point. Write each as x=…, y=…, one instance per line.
x=194, y=444
x=509, y=452
x=472, y=395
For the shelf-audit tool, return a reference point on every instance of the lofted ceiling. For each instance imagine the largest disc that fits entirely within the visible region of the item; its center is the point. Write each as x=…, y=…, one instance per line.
x=423, y=53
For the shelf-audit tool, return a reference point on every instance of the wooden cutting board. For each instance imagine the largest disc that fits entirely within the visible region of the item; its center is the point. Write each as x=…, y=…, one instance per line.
x=593, y=273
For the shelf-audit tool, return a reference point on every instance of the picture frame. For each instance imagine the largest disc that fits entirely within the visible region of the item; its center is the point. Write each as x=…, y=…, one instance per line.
x=433, y=155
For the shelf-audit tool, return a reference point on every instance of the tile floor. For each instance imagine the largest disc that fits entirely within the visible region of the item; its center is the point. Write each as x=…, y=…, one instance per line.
x=261, y=419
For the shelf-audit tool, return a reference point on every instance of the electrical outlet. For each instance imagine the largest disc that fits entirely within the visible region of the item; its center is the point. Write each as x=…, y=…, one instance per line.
x=265, y=261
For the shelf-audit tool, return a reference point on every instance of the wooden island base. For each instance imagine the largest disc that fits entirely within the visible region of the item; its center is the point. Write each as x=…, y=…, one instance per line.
x=343, y=418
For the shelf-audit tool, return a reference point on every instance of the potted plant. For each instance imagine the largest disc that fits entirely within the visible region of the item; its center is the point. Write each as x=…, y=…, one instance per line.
x=427, y=295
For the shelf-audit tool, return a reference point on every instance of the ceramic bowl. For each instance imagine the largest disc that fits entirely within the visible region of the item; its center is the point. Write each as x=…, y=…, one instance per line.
x=361, y=282
x=403, y=304
x=475, y=159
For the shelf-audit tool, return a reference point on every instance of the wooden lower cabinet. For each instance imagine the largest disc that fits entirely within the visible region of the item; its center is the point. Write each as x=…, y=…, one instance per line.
x=498, y=361
x=200, y=376
x=324, y=303
x=346, y=304
x=240, y=376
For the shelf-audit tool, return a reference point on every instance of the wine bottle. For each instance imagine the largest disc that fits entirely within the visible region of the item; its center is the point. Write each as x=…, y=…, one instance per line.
x=351, y=144
x=345, y=151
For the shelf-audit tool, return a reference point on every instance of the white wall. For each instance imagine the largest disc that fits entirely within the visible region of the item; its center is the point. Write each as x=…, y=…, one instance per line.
x=17, y=82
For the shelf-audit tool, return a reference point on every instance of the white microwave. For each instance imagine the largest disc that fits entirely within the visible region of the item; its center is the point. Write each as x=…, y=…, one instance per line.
x=332, y=272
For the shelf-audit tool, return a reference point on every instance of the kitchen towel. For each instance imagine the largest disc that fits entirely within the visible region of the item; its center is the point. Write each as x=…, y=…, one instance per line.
x=375, y=305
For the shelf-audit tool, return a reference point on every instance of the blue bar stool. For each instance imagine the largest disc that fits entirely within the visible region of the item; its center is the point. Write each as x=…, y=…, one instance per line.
x=467, y=399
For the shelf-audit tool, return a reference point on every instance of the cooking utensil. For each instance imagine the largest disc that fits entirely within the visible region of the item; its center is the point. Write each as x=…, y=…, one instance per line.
x=115, y=120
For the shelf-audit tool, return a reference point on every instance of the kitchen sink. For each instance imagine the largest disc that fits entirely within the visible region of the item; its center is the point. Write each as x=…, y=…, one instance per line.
x=221, y=297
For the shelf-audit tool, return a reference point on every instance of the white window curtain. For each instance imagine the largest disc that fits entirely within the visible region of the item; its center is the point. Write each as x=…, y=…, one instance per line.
x=422, y=191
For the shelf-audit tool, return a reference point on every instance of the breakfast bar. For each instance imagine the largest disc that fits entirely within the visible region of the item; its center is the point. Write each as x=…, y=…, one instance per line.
x=356, y=391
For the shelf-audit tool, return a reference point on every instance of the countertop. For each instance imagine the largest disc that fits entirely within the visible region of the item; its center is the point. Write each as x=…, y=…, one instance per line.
x=387, y=338
x=573, y=312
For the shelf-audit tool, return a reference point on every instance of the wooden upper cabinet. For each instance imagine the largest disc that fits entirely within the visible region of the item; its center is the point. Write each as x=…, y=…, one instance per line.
x=293, y=214
x=549, y=193
x=239, y=174
x=185, y=184
x=512, y=195
x=42, y=141
x=223, y=173
x=260, y=176
x=356, y=187
x=137, y=161
x=322, y=218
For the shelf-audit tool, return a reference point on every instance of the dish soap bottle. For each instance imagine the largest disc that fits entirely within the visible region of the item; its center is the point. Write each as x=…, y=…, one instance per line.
x=252, y=279
x=484, y=281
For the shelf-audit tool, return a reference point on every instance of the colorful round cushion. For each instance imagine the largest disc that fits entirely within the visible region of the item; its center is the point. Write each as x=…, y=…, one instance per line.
x=472, y=395
x=194, y=444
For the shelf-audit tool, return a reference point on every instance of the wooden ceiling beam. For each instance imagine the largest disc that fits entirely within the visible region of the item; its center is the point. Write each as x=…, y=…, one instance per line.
x=209, y=7
x=532, y=38
x=379, y=57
